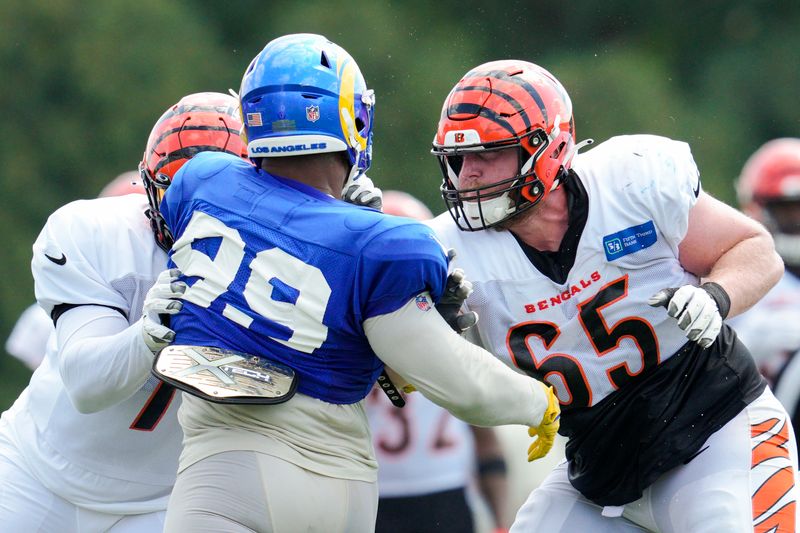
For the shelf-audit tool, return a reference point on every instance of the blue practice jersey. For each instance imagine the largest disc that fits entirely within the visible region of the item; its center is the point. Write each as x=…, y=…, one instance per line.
x=278, y=269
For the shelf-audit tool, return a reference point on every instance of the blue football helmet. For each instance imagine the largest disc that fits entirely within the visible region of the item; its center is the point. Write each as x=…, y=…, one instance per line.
x=305, y=95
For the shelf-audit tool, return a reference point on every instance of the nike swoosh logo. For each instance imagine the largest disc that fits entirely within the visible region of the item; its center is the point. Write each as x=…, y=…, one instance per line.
x=59, y=261
x=697, y=189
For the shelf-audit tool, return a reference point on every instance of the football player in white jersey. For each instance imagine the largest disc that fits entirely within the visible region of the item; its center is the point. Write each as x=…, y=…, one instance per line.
x=769, y=191
x=92, y=444
x=28, y=339
x=608, y=275
x=427, y=458
x=318, y=295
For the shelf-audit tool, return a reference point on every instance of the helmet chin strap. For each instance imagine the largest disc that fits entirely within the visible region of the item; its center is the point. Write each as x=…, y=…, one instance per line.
x=489, y=211
x=351, y=131
x=575, y=149
x=354, y=173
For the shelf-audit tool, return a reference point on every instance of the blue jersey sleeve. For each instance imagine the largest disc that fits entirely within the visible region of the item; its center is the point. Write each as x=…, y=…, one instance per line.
x=397, y=265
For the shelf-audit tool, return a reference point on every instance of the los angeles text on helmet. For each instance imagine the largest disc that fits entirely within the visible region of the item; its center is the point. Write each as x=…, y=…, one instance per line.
x=288, y=148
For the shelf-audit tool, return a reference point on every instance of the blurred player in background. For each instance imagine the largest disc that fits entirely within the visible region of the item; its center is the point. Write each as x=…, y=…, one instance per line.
x=427, y=458
x=769, y=191
x=126, y=183
x=28, y=339
x=573, y=260
x=294, y=297
x=92, y=444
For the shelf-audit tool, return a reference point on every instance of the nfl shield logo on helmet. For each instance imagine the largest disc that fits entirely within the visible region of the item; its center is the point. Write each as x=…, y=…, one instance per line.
x=423, y=303
x=312, y=113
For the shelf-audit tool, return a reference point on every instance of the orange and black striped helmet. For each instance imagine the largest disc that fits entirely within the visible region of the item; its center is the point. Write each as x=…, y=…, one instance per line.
x=197, y=123
x=500, y=105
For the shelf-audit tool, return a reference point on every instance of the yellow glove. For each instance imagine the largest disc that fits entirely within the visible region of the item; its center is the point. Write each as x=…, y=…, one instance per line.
x=545, y=433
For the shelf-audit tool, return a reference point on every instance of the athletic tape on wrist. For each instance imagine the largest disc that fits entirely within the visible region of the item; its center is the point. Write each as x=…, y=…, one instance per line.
x=496, y=465
x=720, y=297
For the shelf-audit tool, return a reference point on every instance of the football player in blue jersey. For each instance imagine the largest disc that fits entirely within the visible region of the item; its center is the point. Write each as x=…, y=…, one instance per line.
x=294, y=302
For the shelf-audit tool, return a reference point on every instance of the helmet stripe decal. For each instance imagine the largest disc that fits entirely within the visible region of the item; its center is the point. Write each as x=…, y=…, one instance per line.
x=192, y=151
x=181, y=109
x=502, y=75
x=193, y=128
x=347, y=99
x=475, y=109
x=505, y=96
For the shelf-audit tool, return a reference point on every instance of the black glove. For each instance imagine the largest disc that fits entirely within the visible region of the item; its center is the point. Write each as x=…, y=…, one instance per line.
x=457, y=289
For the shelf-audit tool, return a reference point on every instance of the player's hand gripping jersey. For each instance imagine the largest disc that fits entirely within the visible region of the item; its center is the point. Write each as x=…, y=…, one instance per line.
x=579, y=318
x=102, y=458
x=291, y=277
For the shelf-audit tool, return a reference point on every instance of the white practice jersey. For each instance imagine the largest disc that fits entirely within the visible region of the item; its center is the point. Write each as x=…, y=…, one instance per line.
x=594, y=332
x=770, y=328
x=97, y=252
x=420, y=448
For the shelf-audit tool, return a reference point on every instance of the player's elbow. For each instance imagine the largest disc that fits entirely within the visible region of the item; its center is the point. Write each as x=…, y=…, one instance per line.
x=775, y=268
x=84, y=395
x=85, y=404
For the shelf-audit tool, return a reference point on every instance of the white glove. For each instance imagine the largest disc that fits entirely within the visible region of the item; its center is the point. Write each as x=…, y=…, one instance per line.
x=697, y=310
x=363, y=192
x=163, y=298
x=457, y=289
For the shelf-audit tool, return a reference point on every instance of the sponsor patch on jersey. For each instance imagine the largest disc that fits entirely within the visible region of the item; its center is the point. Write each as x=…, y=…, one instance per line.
x=629, y=240
x=423, y=303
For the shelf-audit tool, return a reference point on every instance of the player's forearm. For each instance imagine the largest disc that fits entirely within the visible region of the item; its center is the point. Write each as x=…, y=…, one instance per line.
x=492, y=474
x=461, y=377
x=747, y=271
x=102, y=360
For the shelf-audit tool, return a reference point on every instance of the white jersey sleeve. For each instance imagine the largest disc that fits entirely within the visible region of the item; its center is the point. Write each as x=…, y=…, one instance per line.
x=75, y=258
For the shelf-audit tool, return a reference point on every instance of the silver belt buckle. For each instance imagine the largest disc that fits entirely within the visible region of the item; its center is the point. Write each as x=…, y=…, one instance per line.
x=225, y=376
